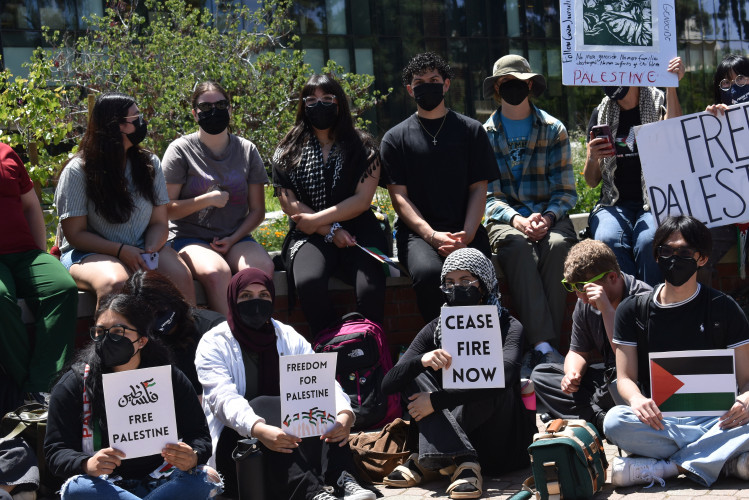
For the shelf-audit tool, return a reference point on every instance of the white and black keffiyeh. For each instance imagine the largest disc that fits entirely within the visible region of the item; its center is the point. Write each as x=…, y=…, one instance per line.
x=475, y=262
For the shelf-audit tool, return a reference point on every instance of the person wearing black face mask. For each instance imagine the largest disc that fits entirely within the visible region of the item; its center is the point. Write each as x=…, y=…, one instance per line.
x=325, y=172
x=112, y=200
x=452, y=152
x=622, y=217
x=237, y=365
x=679, y=315
x=463, y=430
x=215, y=183
x=527, y=206
x=80, y=447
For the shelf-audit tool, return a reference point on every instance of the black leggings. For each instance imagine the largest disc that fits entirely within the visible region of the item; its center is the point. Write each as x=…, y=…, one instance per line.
x=294, y=476
x=316, y=261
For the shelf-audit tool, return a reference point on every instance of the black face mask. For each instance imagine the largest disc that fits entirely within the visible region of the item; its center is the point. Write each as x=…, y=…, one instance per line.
x=254, y=313
x=141, y=129
x=114, y=353
x=164, y=322
x=677, y=270
x=616, y=93
x=735, y=95
x=322, y=116
x=429, y=95
x=213, y=122
x=514, y=92
x=463, y=296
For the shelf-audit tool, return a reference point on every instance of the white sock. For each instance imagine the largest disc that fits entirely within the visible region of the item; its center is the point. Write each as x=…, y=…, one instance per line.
x=670, y=469
x=544, y=348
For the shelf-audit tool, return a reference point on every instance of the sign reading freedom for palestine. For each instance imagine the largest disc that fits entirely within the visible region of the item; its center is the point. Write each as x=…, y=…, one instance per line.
x=308, y=394
x=472, y=336
x=140, y=410
x=608, y=43
x=693, y=383
x=698, y=165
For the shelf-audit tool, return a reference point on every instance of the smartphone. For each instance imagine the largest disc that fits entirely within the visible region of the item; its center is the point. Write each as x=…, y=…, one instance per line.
x=603, y=131
x=151, y=260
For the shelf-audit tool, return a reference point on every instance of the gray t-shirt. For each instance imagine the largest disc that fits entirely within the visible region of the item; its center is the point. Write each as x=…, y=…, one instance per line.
x=588, y=331
x=189, y=162
x=71, y=201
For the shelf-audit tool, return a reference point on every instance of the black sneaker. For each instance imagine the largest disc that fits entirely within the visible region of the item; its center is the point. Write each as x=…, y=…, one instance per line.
x=324, y=494
x=352, y=490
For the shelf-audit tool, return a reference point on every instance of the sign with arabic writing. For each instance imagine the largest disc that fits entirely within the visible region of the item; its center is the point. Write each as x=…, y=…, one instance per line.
x=140, y=410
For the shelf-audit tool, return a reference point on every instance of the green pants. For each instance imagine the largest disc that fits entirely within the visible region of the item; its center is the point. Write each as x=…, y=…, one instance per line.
x=533, y=271
x=52, y=297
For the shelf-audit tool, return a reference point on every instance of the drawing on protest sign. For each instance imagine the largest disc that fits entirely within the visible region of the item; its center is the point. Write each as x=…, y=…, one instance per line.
x=628, y=42
x=140, y=410
x=698, y=165
x=693, y=383
x=472, y=336
x=308, y=394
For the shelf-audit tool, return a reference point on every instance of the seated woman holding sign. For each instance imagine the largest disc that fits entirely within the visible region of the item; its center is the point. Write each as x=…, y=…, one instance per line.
x=77, y=443
x=458, y=429
x=680, y=315
x=238, y=366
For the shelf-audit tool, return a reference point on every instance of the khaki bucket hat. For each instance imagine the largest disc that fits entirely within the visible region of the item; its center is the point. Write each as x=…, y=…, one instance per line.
x=518, y=67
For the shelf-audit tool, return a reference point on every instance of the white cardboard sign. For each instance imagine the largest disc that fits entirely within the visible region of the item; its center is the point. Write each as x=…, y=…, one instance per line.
x=308, y=394
x=698, y=165
x=140, y=410
x=472, y=336
x=605, y=44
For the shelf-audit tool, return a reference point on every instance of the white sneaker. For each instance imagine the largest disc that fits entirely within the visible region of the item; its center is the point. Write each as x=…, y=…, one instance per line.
x=628, y=471
x=351, y=489
x=738, y=466
x=324, y=495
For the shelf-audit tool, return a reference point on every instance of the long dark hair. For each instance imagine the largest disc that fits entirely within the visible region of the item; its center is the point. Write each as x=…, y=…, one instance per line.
x=357, y=145
x=160, y=298
x=104, y=158
x=154, y=353
x=733, y=62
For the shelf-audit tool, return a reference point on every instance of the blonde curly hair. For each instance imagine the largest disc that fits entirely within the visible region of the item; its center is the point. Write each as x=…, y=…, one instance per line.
x=587, y=259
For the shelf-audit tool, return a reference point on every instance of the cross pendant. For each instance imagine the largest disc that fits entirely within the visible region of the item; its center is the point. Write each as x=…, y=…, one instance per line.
x=434, y=141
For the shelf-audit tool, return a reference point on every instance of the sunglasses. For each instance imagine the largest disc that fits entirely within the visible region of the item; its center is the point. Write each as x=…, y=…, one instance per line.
x=667, y=251
x=207, y=106
x=579, y=286
x=115, y=332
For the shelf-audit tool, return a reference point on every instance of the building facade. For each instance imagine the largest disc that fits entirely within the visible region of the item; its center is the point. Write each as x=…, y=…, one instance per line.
x=379, y=36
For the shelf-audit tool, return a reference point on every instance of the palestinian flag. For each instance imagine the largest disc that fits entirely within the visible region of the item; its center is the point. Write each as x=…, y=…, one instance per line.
x=389, y=266
x=693, y=383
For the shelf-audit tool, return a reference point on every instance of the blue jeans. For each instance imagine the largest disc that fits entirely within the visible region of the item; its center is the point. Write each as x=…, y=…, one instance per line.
x=193, y=484
x=628, y=230
x=697, y=444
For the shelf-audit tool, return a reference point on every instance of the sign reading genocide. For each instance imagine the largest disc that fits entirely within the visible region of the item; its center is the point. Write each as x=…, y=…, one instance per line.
x=618, y=43
x=140, y=410
x=308, y=394
x=693, y=383
x=698, y=165
x=472, y=336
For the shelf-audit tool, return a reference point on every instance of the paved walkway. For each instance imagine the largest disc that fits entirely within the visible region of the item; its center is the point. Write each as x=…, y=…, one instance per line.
x=507, y=485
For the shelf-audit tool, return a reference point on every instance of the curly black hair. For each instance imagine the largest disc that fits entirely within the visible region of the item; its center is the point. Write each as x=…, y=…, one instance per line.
x=421, y=63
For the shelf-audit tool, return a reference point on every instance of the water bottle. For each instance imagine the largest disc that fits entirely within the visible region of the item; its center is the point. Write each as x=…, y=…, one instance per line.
x=250, y=465
x=528, y=394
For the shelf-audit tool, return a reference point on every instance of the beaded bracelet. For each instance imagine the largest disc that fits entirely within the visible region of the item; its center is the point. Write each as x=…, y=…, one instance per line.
x=333, y=228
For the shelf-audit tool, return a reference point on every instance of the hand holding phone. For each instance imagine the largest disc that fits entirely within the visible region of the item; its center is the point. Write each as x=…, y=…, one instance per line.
x=603, y=150
x=151, y=260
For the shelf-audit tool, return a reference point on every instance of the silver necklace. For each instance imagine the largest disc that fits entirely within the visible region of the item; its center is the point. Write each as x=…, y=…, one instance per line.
x=434, y=137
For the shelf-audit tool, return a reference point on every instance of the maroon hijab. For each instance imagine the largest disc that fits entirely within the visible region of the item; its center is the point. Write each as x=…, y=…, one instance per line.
x=262, y=341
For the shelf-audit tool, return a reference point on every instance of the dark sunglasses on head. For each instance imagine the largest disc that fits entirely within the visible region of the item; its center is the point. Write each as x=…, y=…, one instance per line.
x=207, y=106
x=667, y=251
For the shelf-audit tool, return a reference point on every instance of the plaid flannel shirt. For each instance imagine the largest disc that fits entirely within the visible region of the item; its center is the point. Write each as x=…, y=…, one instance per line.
x=548, y=181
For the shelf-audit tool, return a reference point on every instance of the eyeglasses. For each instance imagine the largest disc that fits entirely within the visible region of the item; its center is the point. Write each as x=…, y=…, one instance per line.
x=579, y=286
x=311, y=100
x=449, y=285
x=115, y=332
x=133, y=118
x=667, y=251
x=207, y=106
x=740, y=81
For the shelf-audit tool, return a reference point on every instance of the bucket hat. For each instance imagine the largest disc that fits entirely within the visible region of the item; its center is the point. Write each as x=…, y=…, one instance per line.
x=518, y=67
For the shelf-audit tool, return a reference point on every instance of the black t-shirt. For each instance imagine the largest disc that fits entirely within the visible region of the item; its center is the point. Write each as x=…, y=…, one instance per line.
x=627, y=177
x=437, y=176
x=682, y=326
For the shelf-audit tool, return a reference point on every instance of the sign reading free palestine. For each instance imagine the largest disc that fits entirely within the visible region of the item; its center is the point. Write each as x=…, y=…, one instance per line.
x=140, y=410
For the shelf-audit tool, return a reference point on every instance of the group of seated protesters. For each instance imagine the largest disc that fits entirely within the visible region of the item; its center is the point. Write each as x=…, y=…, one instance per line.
x=123, y=213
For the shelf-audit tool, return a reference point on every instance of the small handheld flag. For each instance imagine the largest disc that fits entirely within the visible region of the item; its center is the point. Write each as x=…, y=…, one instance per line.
x=391, y=268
